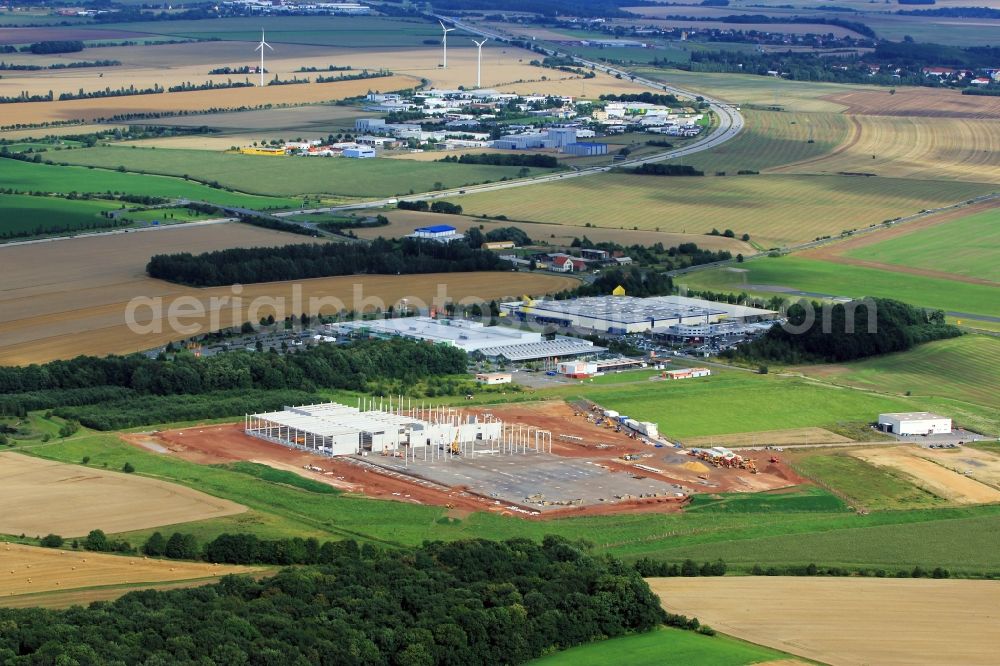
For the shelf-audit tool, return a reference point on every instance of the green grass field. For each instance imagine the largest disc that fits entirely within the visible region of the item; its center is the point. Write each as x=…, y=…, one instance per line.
x=23, y=213
x=864, y=485
x=966, y=246
x=802, y=499
x=824, y=277
x=344, y=31
x=776, y=210
x=664, y=647
x=290, y=176
x=28, y=176
x=965, y=368
x=166, y=215
x=735, y=402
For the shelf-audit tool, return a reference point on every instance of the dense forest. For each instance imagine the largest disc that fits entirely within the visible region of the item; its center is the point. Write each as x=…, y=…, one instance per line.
x=845, y=332
x=298, y=262
x=466, y=602
x=108, y=392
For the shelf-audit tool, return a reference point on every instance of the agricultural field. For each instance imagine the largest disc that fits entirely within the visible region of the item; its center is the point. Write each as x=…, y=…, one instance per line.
x=931, y=475
x=42, y=497
x=790, y=275
x=198, y=101
x=773, y=138
x=862, y=484
x=403, y=222
x=961, y=369
x=775, y=210
x=68, y=297
x=965, y=246
x=667, y=647
x=48, y=577
x=28, y=176
x=295, y=176
x=23, y=214
x=847, y=620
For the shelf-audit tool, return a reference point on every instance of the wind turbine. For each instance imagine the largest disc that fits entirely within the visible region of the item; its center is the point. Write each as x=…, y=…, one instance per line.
x=444, y=42
x=479, y=60
x=260, y=47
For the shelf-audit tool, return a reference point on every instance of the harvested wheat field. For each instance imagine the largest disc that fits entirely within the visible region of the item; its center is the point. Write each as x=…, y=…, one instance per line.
x=932, y=102
x=795, y=436
x=913, y=464
x=70, y=297
x=201, y=100
x=403, y=222
x=33, y=576
x=927, y=147
x=849, y=621
x=43, y=496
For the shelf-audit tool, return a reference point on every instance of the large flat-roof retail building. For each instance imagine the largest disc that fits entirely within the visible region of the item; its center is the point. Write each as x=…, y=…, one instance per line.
x=618, y=315
x=499, y=343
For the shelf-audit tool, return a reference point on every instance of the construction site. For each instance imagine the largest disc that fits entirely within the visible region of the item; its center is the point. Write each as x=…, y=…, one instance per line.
x=535, y=460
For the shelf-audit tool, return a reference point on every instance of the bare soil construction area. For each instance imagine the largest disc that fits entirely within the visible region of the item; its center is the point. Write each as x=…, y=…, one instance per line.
x=37, y=576
x=42, y=496
x=795, y=436
x=926, y=470
x=585, y=474
x=70, y=297
x=848, y=621
x=983, y=466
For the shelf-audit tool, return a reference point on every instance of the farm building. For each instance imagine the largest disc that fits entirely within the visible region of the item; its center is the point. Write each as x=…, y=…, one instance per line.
x=492, y=378
x=619, y=315
x=914, y=423
x=498, y=245
x=469, y=336
x=380, y=426
x=444, y=233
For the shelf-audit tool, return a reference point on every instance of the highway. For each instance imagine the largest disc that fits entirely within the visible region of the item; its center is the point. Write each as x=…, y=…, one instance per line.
x=730, y=124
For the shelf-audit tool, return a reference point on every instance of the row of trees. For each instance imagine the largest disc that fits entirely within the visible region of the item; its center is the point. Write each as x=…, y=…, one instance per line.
x=328, y=366
x=500, y=159
x=297, y=262
x=471, y=602
x=475, y=237
x=656, y=169
x=848, y=331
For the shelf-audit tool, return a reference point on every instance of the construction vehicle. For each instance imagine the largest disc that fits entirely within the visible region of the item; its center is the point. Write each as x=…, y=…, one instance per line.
x=456, y=450
x=774, y=459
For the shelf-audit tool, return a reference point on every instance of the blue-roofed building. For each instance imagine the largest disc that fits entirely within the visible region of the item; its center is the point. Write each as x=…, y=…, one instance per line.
x=443, y=233
x=585, y=148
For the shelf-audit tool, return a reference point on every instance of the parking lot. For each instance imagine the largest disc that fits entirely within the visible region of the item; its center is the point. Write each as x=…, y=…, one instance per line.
x=536, y=480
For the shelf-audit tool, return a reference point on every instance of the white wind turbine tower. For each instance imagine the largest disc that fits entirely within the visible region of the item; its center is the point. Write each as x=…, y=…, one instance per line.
x=260, y=47
x=444, y=42
x=479, y=61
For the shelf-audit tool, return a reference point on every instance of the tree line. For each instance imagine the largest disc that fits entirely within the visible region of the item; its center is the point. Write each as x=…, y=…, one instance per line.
x=297, y=262
x=838, y=333
x=645, y=98
x=466, y=602
x=650, y=169
x=56, y=46
x=327, y=366
x=500, y=159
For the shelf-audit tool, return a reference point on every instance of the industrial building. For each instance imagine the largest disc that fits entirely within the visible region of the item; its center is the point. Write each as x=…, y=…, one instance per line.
x=546, y=350
x=619, y=315
x=914, y=423
x=494, y=378
x=687, y=373
x=586, y=149
x=443, y=233
x=361, y=152
x=469, y=336
x=392, y=427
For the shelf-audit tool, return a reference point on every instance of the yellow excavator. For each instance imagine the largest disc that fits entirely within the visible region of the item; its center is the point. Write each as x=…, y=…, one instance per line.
x=455, y=449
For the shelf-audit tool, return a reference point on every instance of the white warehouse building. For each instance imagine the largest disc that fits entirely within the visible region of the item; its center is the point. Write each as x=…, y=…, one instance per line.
x=914, y=423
